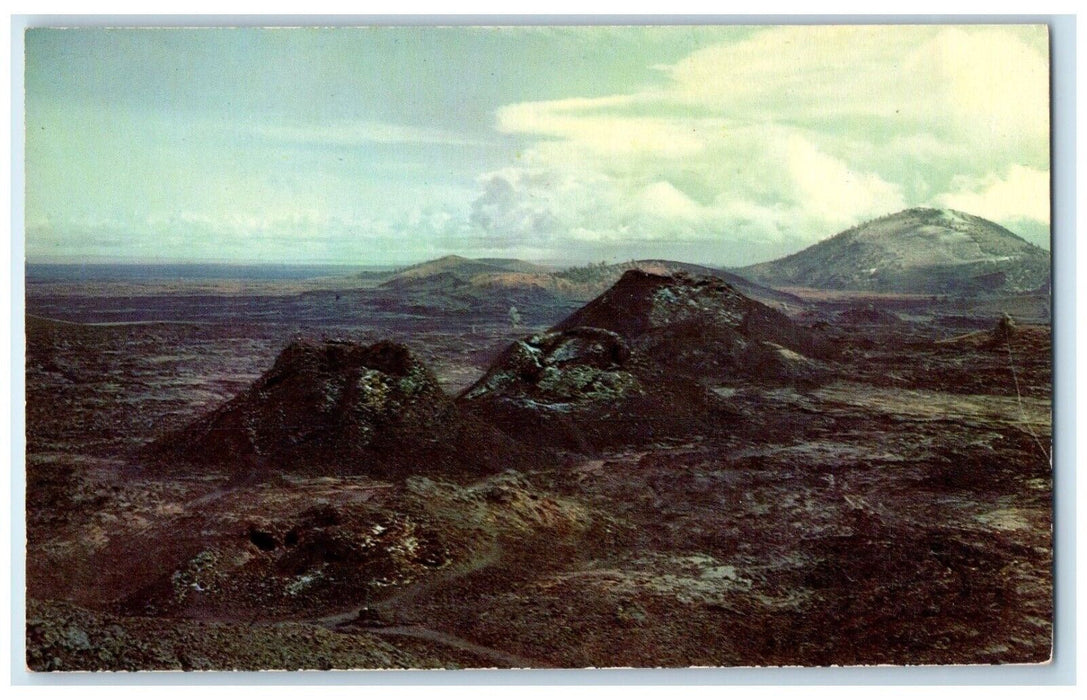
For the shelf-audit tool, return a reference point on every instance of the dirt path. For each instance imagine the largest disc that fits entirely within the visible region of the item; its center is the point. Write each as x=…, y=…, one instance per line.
x=346, y=622
x=407, y=594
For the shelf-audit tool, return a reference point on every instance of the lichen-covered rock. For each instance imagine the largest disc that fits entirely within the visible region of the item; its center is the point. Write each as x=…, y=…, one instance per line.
x=289, y=563
x=633, y=364
x=645, y=333
x=292, y=554
x=558, y=368
x=341, y=407
x=643, y=301
x=683, y=320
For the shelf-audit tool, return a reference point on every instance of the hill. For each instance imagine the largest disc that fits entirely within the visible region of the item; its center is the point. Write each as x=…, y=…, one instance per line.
x=338, y=407
x=472, y=278
x=461, y=268
x=634, y=363
x=591, y=280
x=916, y=251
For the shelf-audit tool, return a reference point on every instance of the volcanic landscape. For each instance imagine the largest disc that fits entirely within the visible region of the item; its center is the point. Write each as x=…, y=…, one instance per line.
x=492, y=463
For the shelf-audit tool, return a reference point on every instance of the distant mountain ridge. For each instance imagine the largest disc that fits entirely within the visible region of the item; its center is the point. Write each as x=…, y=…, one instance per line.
x=921, y=250
x=456, y=274
x=464, y=268
x=597, y=279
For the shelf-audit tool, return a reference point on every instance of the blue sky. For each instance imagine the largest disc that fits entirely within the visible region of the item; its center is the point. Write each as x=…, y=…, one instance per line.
x=721, y=145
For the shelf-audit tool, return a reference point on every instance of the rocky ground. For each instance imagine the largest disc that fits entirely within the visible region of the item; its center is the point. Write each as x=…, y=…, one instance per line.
x=895, y=509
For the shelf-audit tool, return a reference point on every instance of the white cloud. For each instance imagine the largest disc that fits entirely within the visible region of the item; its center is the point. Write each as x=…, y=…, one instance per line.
x=664, y=200
x=830, y=191
x=986, y=84
x=398, y=235
x=787, y=136
x=994, y=85
x=747, y=149
x=1019, y=194
x=582, y=124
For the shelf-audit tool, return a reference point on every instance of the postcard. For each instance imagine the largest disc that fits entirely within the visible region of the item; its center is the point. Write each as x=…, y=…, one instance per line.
x=524, y=347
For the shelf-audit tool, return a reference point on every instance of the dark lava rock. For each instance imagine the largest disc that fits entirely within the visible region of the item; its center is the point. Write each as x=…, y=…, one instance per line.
x=650, y=329
x=868, y=315
x=580, y=364
x=343, y=408
x=642, y=301
x=633, y=364
x=61, y=636
x=540, y=389
x=680, y=317
x=1004, y=330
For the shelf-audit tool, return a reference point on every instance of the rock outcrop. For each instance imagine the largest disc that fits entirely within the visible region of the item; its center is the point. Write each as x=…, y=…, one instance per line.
x=343, y=408
x=581, y=364
x=696, y=327
x=634, y=364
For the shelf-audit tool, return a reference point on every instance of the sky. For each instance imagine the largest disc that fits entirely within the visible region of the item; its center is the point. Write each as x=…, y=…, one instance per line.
x=720, y=145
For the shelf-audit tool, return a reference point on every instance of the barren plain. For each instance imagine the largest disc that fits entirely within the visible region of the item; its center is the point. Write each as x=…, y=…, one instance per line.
x=891, y=506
